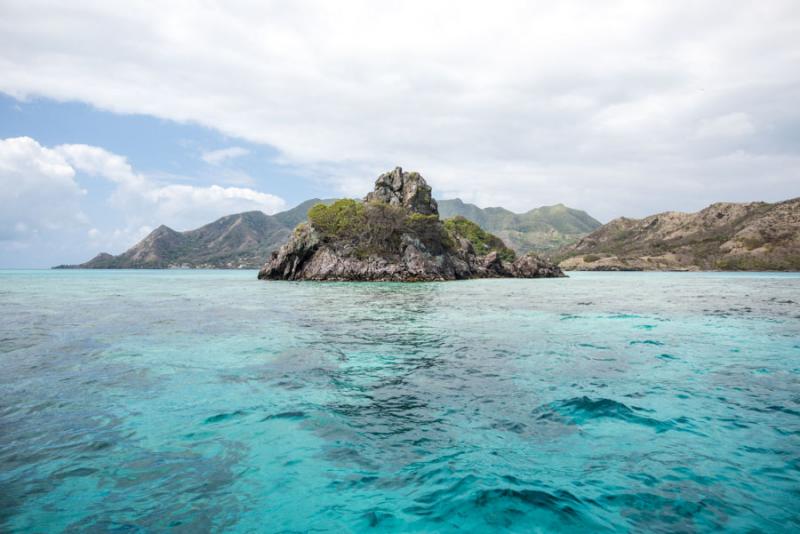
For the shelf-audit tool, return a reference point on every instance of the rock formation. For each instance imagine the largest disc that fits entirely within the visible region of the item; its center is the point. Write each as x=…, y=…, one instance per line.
x=754, y=236
x=407, y=189
x=395, y=235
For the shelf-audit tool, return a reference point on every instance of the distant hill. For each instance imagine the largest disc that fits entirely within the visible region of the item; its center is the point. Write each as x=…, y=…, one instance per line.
x=723, y=236
x=299, y=213
x=240, y=241
x=541, y=229
x=245, y=240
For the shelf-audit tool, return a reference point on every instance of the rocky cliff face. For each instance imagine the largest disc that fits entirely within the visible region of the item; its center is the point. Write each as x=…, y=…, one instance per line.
x=723, y=236
x=395, y=235
x=407, y=189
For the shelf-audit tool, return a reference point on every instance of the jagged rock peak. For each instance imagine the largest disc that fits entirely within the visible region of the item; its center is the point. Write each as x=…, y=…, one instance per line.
x=407, y=189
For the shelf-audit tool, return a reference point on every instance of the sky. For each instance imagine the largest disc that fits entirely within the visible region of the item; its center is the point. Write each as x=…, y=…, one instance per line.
x=114, y=121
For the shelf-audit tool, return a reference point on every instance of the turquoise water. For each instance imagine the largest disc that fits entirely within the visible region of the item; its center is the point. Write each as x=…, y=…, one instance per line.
x=201, y=401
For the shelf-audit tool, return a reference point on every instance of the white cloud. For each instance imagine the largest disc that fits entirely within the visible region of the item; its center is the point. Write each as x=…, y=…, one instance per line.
x=600, y=103
x=147, y=201
x=38, y=191
x=39, y=195
x=115, y=239
x=216, y=157
x=185, y=206
x=730, y=125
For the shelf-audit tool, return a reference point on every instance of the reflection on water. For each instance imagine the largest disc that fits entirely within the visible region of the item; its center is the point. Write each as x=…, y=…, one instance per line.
x=206, y=401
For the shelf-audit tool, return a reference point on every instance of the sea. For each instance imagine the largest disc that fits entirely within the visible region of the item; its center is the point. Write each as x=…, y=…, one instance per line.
x=209, y=401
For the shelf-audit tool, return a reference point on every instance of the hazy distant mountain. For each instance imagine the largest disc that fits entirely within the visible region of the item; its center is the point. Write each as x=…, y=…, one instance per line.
x=723, y=236
x=540, y=229
x=245, y=240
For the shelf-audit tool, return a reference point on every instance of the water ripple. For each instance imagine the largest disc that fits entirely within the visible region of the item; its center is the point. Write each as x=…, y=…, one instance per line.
x=624, y=402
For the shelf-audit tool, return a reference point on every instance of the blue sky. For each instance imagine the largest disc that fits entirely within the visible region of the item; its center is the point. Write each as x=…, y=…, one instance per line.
x=115, y=121
x=165, y=151
x=154, y=146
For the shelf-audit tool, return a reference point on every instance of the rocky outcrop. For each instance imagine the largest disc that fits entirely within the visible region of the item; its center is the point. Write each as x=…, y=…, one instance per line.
x=407, y=189
x=532, y=266
x=395, y=235
x=754, y=236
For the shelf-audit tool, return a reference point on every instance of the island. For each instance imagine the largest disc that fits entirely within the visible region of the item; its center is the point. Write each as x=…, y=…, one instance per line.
x=726, y=236
x=395, y=234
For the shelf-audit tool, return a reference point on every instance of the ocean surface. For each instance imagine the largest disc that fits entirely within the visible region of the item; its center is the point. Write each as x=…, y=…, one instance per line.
x=197, y=401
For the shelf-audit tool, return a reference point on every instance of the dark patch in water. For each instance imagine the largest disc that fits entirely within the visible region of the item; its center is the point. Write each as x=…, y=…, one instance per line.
x=784, y=410
x=580, y=410
x=510, y=426
x=223, y=417
x=375, y=518
x=294, y=416
x=592, y=346
x=77, y=472
x=503, y=507
x=562, y=503
x=647, y=342
x=654, y=512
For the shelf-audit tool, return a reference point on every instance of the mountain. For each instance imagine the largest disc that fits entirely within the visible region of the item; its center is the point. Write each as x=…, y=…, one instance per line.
x=755, y=236
x=245, y=240
x=395, y=234
x=299, y=213
x=242, y=240
x=541, y=229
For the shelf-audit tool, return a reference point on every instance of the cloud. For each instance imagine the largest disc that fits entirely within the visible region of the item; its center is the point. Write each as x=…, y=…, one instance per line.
x=183, y=203
x=611, y=106
x=726, y=126
x=114, y=239
x=38, y=191
x=41, y=197
x=96, y=161
x=215, y=157
x=146, y=201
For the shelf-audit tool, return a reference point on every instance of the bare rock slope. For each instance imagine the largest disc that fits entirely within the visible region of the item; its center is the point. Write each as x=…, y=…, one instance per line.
x=395, y=234
x=755, y=236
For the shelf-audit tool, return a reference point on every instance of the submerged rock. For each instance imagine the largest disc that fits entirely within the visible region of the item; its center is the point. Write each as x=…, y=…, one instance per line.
x=395, y=235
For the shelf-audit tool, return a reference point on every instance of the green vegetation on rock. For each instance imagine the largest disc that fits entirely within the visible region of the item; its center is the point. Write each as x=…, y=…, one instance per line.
x=482, y=241
x=375, y=227
x=541, y=229
x=344, y=219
